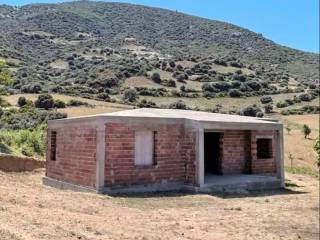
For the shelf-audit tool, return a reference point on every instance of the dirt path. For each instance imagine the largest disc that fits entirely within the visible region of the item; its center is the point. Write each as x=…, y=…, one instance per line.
x=29, y=210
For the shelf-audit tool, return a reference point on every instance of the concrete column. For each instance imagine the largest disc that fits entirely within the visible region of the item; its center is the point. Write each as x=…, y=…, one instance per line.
x=100, y=156
x=280, y=156
x=200, y=157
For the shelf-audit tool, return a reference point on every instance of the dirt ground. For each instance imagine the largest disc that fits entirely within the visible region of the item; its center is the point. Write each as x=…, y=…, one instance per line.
x=29, y=210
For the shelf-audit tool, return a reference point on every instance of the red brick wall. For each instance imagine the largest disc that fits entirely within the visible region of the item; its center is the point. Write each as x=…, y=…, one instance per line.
x=174, y=155
x=75, y=161
x=234, y=152
x=263, y=165
x=239, y=154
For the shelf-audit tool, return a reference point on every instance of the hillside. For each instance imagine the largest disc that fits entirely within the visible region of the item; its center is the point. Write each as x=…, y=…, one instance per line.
x=97, y=49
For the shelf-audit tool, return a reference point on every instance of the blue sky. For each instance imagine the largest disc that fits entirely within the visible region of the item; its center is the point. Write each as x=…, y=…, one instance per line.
x=293, y=23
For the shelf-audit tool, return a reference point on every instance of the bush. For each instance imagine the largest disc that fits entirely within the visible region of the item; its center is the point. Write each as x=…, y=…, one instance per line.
x=130, y=95
x=268, y=108
x=156, y=77
x=29, y=142
x=22, y=101
x=259, y=114
x=265, y=99
x=306, y=130
x=33, y=88
x=25, y=118
x=305, y=97
x=178, y=105
x=59, y=104
x=146, y=104
x=251, y=111
x=235, y=93
x=76, y=103
x=256, y=86
x=282, y=104
x=44, y=101
x=104, y=96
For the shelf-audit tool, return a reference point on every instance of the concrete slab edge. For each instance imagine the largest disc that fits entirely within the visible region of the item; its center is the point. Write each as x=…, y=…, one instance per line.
x=66, y=186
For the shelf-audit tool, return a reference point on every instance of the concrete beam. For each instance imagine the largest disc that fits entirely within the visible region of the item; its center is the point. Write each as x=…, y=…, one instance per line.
x=280, y=157
x=100, y=156
x=200, y=157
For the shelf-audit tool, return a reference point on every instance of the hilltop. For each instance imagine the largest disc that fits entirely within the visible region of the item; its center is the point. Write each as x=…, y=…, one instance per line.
x=98, y=49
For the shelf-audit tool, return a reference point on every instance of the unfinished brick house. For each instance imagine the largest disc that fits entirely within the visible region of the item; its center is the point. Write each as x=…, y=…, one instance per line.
x=161, y=149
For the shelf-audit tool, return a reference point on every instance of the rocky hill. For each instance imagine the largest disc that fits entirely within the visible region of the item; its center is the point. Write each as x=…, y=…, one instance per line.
x=92, y=48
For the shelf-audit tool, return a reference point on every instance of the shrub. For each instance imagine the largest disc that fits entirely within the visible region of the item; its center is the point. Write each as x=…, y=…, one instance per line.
x=44, y=101
x=130, y=95
x=281, y=104
x=265, y=99
x=235, y=93
x=103, y=96
x=259, y=114
x=156, y=77
x=306, y=130
x=59, y=104
x=33, y=88
x=268, y=108
x=220, y=62
x=207, y=87
x=251, y=111
x=29, y=142
x=222, y=86
x=146, y=104
x=178, y=105
x=172, y=64
x=76, y=103
x=256, y=86
x=181, y=77
x=22, y=101
x=171, y=83
x=305, y=97
x=236, y=64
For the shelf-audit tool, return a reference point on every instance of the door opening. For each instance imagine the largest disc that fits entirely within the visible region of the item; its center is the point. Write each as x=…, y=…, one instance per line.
x=212, y=153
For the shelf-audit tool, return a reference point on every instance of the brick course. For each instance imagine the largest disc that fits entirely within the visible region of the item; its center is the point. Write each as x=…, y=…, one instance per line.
x=174, y=154
x=75, y=156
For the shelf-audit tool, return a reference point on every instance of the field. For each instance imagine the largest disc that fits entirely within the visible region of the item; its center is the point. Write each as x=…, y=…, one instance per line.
x=96, y=107
x=30, y=210
x=295, y=144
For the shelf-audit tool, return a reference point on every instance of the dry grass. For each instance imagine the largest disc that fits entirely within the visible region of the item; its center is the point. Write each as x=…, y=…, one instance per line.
x=30, y=210
x=301, y=149
x=98, y=106
x=227, y=102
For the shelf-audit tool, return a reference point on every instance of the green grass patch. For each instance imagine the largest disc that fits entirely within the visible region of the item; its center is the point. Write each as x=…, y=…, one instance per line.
x=303, y=170
x=24, y=142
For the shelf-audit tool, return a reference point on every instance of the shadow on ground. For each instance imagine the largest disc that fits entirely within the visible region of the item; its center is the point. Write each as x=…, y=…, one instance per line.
x=225, y=195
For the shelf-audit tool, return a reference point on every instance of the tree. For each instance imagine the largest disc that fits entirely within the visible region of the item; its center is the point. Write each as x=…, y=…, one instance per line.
x=306, y=130
x=44, y=101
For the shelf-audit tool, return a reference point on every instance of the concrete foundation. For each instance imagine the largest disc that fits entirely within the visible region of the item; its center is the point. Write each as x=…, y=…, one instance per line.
x=213, y=183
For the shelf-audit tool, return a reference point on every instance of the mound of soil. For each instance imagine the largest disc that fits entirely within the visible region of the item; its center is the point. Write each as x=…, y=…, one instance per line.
x=10, y=163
